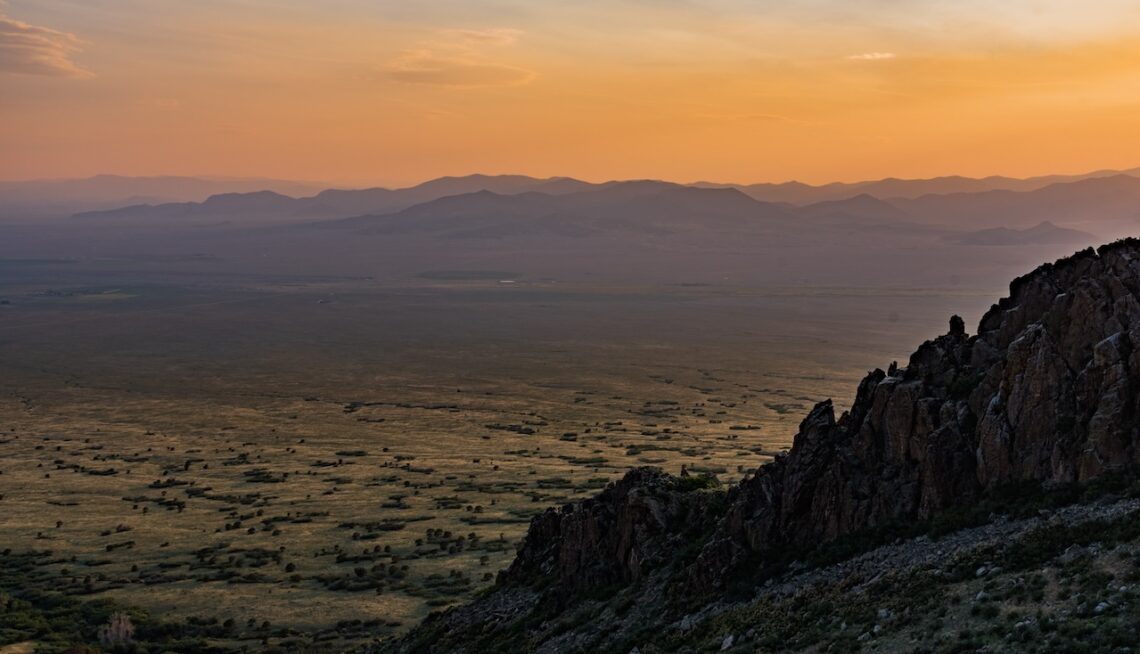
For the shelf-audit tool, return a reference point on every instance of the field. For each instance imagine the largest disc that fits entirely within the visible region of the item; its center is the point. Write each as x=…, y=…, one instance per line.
x=341, y=455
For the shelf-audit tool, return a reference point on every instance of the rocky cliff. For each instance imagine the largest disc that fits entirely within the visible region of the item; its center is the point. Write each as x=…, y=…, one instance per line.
x=1045, y=394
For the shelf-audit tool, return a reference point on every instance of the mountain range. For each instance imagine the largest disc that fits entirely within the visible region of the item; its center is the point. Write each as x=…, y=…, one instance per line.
x=1102, y=204
x=636, y=231
x=54, y=197
x=799, y=193
x=191, y=198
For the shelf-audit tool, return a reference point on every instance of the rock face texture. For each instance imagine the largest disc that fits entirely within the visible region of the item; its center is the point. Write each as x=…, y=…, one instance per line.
x=635, y=525
x=1047, y=391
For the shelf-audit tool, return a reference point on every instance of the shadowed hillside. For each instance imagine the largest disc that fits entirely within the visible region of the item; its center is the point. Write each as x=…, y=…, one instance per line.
x=1036, y=408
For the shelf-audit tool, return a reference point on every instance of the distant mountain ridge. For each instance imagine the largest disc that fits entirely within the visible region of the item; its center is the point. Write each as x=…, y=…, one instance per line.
x=1070, y=201
x=1042, y=233
x=800, y=193
x=361, y=201
x=1085, y=201
x=340, y=203
x=106, y=192
x=637, y=207
x=67, y=196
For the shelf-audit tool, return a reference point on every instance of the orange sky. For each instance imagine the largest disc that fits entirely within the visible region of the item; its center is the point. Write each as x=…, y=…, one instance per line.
x=371, y=91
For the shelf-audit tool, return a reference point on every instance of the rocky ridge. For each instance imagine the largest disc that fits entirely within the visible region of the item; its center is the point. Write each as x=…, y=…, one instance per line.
x=1044, y=396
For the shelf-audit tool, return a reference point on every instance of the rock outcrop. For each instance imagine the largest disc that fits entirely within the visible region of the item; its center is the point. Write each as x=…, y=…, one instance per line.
x=1047, y=391
x=635, y=525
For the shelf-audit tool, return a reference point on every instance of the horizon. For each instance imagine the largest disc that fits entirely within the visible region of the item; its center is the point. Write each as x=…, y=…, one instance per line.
x=366, y=185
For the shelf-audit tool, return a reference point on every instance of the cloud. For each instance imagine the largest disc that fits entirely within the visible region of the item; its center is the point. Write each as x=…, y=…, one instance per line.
x=451, y=72
x=458, y=58
x=474, y=38
x=872, y=56
x=31, y=50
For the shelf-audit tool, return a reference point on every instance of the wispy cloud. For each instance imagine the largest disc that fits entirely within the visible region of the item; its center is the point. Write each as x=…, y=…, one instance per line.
x=32, y=50
x=496, y=36
x=426, y=68
x=460, y=58
x=872, y=56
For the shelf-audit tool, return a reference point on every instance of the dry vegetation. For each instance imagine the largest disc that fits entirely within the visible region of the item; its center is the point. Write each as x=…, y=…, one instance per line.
x=311, y=474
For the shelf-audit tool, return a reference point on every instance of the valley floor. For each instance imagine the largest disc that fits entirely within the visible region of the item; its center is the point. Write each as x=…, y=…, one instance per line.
x=323, y=464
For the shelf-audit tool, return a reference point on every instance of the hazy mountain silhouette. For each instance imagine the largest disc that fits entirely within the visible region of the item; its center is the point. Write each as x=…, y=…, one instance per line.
x=339, y=202
x=1110, y=201
x=376, y=200
x=1101, y=203
x=802, y=194
x=861, y=208
x=66, y=196
x=1043, y=233
x=258, y=205
x=642, y=207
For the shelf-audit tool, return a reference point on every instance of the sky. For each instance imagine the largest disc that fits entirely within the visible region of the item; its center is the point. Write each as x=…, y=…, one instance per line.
x=394, y=92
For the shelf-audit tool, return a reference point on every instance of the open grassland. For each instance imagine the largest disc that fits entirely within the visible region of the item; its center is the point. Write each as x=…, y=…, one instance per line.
x=320, y=462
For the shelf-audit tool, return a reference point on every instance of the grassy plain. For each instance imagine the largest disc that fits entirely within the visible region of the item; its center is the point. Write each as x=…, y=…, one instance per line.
x=342, y=455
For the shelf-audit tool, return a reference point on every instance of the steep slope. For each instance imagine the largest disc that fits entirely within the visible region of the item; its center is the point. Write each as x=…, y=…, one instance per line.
x=1045, y=396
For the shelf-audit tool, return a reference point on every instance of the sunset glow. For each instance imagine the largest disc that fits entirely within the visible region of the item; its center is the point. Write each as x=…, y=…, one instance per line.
x=356, y=91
